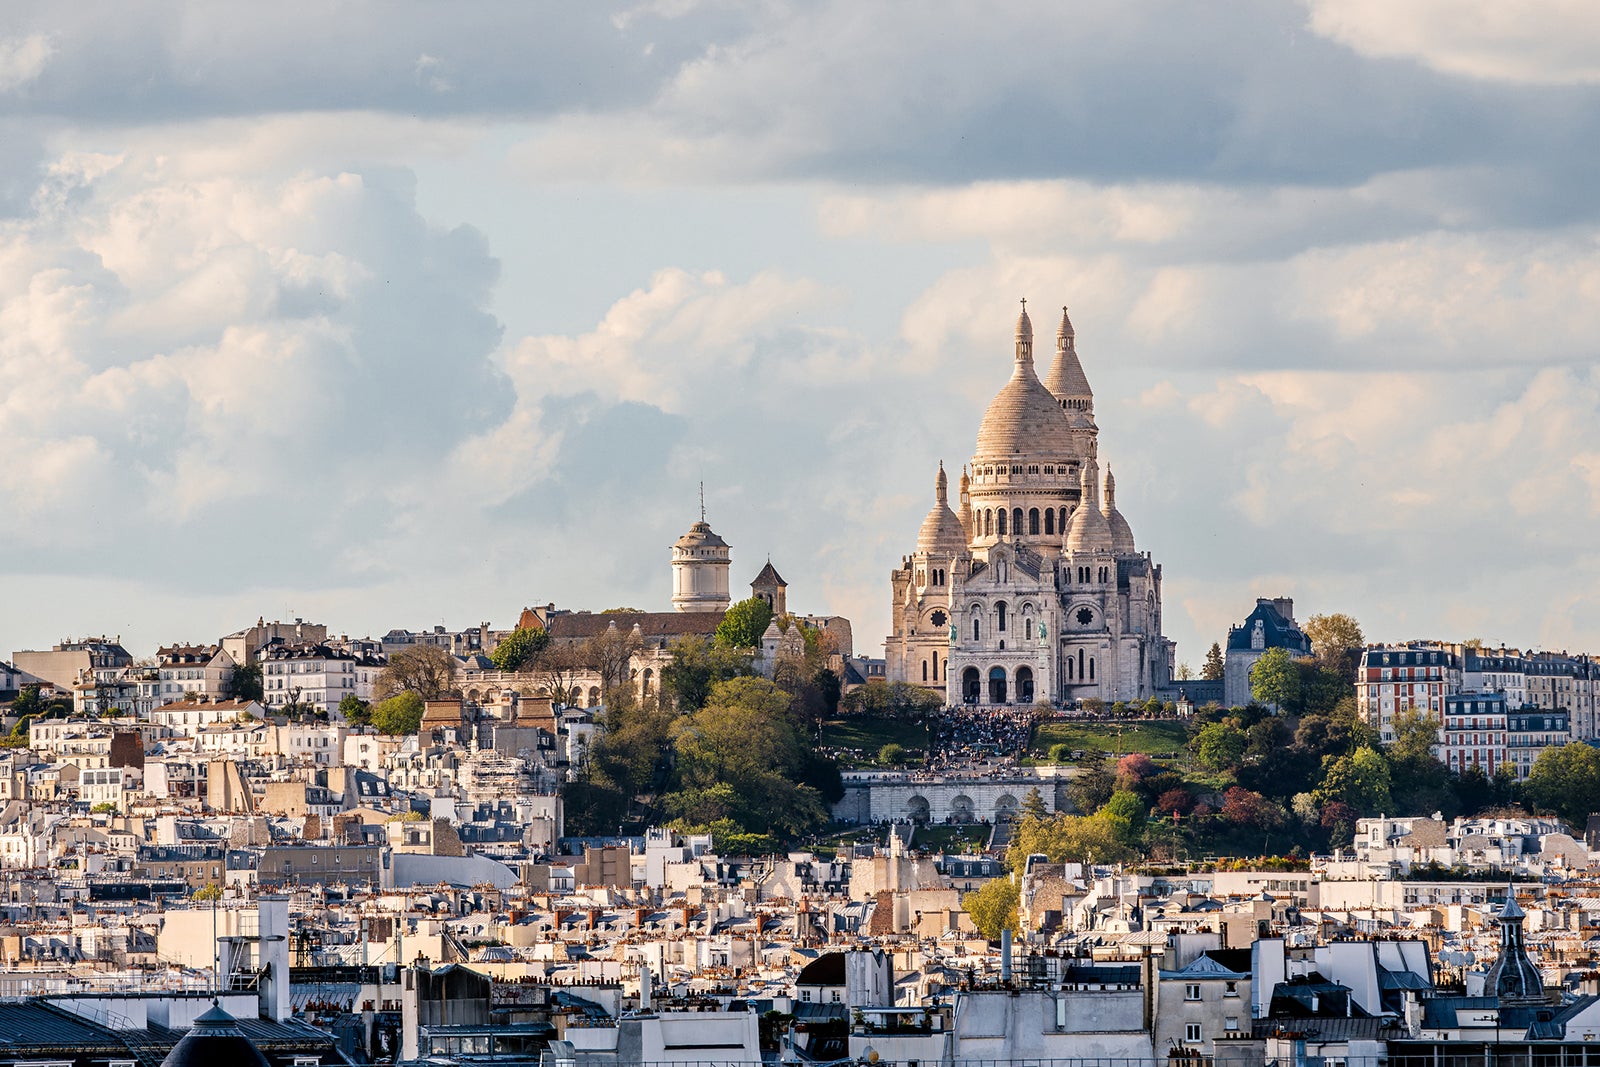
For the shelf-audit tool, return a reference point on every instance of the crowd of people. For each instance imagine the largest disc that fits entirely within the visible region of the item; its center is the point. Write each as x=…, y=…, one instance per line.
x=964, y=736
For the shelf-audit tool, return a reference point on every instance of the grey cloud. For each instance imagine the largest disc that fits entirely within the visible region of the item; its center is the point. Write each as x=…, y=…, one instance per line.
x=139, y=62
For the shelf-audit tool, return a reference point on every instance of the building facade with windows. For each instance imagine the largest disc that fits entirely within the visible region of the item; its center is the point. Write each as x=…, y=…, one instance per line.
x=1529, y=731
x=316, y=674
x=1031, y=587
x=1473, y=733
x=1392, y=678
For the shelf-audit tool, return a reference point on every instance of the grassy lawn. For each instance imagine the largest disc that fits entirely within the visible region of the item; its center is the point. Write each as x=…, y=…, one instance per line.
x=1154, y=738
x=951, y=838
x=865, y=735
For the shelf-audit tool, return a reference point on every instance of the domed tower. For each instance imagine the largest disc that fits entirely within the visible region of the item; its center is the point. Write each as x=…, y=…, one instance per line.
x=1121, y=533
x=700, y=570
x=1024, y=471
x=1088, y=530
x=1514, y=978
x=215, y=1038
x=918, y=650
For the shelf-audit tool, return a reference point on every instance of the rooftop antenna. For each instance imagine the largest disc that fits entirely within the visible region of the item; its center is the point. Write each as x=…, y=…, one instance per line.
x=702, y=501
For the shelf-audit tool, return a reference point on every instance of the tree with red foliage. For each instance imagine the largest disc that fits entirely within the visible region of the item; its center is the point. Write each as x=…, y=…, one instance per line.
x=1249, y=808
x=1133, y=769
x=1174, y=800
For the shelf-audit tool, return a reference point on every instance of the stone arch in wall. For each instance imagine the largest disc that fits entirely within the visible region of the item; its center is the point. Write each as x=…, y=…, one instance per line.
x=962, y=809
x=917, y=808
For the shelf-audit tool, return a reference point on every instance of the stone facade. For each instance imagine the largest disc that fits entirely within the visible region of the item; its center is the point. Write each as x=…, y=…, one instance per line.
x=1034, y=591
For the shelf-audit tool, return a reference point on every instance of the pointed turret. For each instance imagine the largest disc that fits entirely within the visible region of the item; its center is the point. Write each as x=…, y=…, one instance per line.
x=1514, y=978
x=1087, y=529
x=1066, y=380
x=942, y=532
x=1024, y=341
x=1121, y=533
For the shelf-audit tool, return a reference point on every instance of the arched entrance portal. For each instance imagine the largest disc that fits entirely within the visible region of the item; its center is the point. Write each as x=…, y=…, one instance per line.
x=969, y=685
x=1025, y=685
x=997, y=685
x=962, y=809
x=917, y=809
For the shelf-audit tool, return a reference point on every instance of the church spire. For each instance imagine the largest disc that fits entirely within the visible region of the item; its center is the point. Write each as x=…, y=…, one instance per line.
x=1066, y=380
x=1024, y=341
x=941, y=486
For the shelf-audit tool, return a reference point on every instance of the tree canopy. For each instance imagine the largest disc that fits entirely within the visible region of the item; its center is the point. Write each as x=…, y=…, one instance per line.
x=744, y=624
x=1274, y=681
x=518, y=648
x=1566, y=780
x=1333, y=638
x=400, y=714
x=1212, y=669
x=993, y=907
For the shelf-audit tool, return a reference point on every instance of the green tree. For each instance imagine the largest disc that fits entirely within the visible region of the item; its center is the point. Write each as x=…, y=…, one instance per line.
x=891, y=755
x=1219, y=746
x=1334, y=638
x=1212, y=669
x=518, y=648
x=245, y=683
x=741, y=757
x=1060, y=754
x=1360, y=780
x=1184, y=672
x=993, y=907
x=400, y=714
x=892, y=700
x=356, y=712
x=696, y=666
x=1274, y=680
x=1566, y=780
x=744, y=624
x=1092, y=786
x=1061, y=838
x=1033, y=805
x=1415, y=734
x=1127, y=813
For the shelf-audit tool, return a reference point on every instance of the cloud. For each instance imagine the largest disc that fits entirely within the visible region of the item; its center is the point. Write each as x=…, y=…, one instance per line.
x=207, y=363
x=1543, y=42
x=22, y=59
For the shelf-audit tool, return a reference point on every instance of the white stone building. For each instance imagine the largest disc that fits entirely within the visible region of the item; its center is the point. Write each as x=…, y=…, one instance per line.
x=1034, y=589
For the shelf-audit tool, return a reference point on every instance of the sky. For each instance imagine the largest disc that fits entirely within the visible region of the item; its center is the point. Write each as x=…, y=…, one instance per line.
x=398, y=314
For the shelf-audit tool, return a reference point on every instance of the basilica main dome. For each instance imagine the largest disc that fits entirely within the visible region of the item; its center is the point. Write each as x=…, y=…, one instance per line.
x=1025, y=419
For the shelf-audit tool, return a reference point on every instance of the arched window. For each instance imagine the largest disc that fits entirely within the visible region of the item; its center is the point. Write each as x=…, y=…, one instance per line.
x=1033, y=520
x=1049, y=520
x=936, y=665
x=1069, y=668
x=1063, y=520
x=975, y=631
x=1027, y=627
x=1000, y=614
x=924, y=670
x=1091, y=668
x=1001, y=515
x=1080, y=665
x=1016, y=521
x=988, y=523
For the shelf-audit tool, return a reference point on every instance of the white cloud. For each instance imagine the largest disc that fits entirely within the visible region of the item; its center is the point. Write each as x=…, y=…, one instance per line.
x=1534, y=41
x=23, y=59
